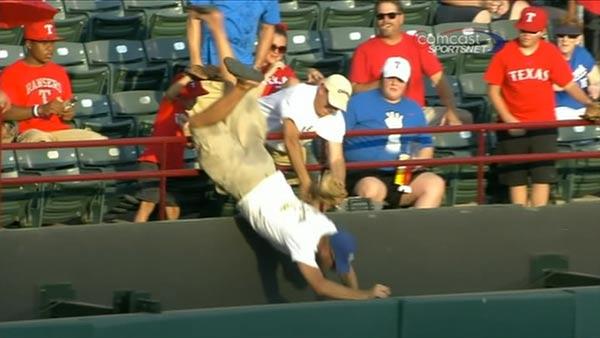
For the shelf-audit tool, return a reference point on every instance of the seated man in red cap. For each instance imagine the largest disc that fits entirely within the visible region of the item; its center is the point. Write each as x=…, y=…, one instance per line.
x=40, y=91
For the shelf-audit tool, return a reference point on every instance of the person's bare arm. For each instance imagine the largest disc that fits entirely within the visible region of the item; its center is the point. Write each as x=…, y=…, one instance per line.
x=464, y=3
x=194, y=37
x=19, y=113
x=571, y=10
x=593, y=88
x=350, y=279
x=500, y=105
x=324, y=287
x=363, y=87
x=291, y=139
x=337, y=163
x=4, y=102
x=265, y=38
x=578, y=94
x=446, y=96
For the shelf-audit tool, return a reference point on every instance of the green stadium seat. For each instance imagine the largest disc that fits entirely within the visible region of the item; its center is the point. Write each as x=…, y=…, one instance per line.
x=127, y=61
x=110, y=26
x=459, y=61
x=92, y=111
x=418, y=12
x=12, y=36
x=84, y=79
x=505, y=28
x=92, y=7
x=172, y=51
x=305, y=51
x=71, y=28
x=342, y=41
x=167, y=23
x=10, y=54
x=474, y=90
x=138, y=105
x=347, y=14
x=63, y=202
x=423, y=30
x=299, y=16
x=20, y=203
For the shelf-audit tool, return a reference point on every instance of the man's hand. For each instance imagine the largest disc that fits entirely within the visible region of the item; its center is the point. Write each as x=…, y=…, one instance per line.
x=380, y=291
x=4, y=102
x=314, y=76
x=68, y=112
x=55, y=107
x=592, y=112
x=451, y=118
x=594, y=91
x=305, y=192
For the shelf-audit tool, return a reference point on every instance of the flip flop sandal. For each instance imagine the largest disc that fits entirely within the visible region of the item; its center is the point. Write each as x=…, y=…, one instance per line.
x=242, y=71
x=202, y=9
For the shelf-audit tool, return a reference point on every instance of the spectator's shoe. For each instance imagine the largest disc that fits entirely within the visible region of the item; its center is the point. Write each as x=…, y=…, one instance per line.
x=243, y=72
x=202, y=9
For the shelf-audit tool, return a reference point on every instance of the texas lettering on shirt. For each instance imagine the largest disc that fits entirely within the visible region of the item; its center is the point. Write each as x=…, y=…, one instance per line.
x=529, y=74
x=44, y=86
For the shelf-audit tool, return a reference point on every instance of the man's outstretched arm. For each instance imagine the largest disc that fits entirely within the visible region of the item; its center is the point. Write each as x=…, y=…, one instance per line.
x=324, y=287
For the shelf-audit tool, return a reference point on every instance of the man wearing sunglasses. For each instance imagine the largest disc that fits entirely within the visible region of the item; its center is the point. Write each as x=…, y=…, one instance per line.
x=391, y=41
x=520, y=78
x=569, y=37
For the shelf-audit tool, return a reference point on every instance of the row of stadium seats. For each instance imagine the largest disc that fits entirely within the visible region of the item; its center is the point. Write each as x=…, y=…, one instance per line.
x=74, y=202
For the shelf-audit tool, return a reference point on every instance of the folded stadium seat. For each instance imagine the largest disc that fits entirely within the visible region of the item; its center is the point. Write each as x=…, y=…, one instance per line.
x=423, y=30
x=69, y=27
x=344, y=40
x=299, y=16
x=474, y=89
x=472, y=53
x=418, y=12
x=63, y=202
x=84, y=79
x=579, y=177
x=138, y=105
x=10, y=54
x=306, y=51
x=127, y=62
x=20, y=203
x=91, y=8
x=116, y=199
x=12, y=36
x=92, y=111
x=110, y=26
x=347, y=14
x=475, y=106
x=505, y=29
x=172, y=51
x=461, y=180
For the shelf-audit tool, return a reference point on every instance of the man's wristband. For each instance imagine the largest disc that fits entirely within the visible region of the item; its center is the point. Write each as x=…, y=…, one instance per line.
x=36, y=111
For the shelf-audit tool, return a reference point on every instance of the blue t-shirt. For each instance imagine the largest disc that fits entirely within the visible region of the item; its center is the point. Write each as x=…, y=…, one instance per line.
x=369, y=110
x=581, y=64
x=242, y=23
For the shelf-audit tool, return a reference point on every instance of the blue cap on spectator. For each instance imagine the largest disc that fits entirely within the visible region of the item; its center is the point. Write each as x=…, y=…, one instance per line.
x=343, y=245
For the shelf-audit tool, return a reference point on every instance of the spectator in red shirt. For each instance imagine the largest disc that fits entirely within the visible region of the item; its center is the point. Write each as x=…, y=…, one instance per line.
x=40, y=91
x=277, y=74
x=520, y=78
x=171, y=120
x=370, y=56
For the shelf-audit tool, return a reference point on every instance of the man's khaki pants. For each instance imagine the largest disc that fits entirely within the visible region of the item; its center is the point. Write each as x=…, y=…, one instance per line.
x=36, y=135
x=232, y=152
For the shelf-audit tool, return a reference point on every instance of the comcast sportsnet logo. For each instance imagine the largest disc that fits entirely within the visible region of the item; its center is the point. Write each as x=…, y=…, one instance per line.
x=460, y=41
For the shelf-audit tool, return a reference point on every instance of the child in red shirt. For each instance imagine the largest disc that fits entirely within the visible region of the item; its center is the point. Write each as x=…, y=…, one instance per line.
x=520, y=78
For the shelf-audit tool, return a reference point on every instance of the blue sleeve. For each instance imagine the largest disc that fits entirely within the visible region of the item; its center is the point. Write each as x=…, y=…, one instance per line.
x=588, y=60
x=271, y=15
x=350, y=115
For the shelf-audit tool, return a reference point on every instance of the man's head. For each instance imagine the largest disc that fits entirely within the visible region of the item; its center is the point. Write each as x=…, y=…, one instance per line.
x=394, y=77
x=40, y=37
x=333, y=95
x=568, y=35
x=338, y=253
x=531, y=26
x=389, y=17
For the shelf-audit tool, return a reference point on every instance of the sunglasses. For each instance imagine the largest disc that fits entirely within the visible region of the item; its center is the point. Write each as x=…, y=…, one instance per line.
x=391, y=16
x=527, y=32
x=570, y=36
x=278, y=49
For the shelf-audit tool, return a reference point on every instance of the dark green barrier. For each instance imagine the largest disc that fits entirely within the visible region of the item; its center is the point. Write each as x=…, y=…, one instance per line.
x=541, y=314
x=587, y=308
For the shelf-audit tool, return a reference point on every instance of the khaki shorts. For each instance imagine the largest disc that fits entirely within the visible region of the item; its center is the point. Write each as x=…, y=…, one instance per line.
x=232, y=152
x=434, y=115
x=36, y=135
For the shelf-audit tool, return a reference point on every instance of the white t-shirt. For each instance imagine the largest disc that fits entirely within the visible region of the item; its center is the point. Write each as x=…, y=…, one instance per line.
x=297, y=104
x=290, y=225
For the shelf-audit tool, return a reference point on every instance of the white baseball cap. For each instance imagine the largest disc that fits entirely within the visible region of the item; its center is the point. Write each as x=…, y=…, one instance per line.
x=397, y=67
x=339, y=91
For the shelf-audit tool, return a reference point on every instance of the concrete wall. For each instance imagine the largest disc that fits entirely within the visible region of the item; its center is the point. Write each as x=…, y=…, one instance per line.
x=221, y=262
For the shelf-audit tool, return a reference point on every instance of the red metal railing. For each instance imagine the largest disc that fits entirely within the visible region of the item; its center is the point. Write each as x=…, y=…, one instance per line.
x=480, y=160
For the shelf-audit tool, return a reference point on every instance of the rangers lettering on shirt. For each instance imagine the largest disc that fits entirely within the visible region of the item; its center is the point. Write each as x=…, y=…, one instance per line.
x=43, y=83
x=529, y=74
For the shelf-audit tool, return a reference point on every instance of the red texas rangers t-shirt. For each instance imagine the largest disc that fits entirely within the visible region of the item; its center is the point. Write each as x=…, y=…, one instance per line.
x=276, y=81
x=526, y=81
x=370, y=56
x=30, y=85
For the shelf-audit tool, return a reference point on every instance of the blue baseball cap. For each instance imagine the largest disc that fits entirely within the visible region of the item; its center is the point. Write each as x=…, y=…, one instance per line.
x=343, y=245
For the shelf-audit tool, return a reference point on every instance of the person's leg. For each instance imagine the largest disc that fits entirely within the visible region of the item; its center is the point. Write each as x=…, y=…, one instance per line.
x=172, y=212
x=540, y=194
x=372, y=188
x=144, y=211
x=518, y=195
x=514, y=175
x=76, y=135
x=34, y=135
x=483, y=16
x=427, y=191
